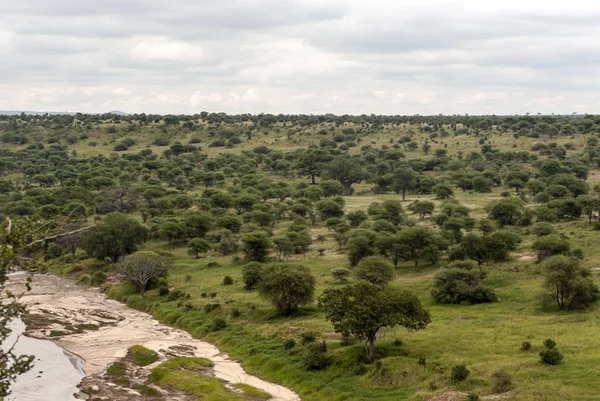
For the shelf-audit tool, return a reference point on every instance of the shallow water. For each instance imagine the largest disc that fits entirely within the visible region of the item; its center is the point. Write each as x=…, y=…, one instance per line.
x=55, y=374
x=70, y=303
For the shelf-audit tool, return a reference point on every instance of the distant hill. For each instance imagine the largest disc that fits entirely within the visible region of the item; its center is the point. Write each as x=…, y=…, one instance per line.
x=17, y=112
x=55, y=113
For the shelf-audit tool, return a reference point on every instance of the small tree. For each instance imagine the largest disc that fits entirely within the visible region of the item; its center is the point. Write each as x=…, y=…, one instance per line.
x=550, y=245
x=415, y=241
x=461, y=286
x=288, y=286
x=506, y=212
x=443, y=191
x=116, y=236
x=359, y=247
x=568, y=283
x=142, y=267
x=362, y=309
x=283, y=246
x=422, y=208
x=172, y=231
x=251, y=275
x=375, y=270
x=256, y=245
x=341, y=274
x=356, y=218
x=198, y=246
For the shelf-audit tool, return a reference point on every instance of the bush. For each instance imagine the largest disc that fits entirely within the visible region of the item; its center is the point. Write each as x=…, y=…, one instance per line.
x=459, y=373
x=251, y=275
x=211, y=307
x=525, y=346
x=308, y=337
x=551, y=356
x=175, y=295
x=568, y=283
x=549, y=343
x=288, y=286
x=218, y=324
x=461, y=286
x=341, y=274
x=227, y=280
x=376, y=270
x=542, y=229
x=98, y=278
x=316, y=356
x=502, y=381
x=289, y=343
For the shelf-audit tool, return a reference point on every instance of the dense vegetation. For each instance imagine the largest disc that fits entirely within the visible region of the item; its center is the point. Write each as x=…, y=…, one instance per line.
x=294, y=242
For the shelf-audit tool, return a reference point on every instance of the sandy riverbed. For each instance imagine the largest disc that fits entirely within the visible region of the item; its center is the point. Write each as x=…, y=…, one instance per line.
x=57, y=303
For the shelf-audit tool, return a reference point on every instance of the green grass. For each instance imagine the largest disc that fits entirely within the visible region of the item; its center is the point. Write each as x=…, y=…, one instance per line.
x=142, y=356
x=185, y=374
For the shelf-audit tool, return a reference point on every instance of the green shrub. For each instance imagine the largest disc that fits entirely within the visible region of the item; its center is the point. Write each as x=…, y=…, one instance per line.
x=459, y=373
x=227, y=280
x=316, y=356
x=461, y=286
x=525, y=346
x=341, y=274
x=289, y=343
x=98, y=278
x=549, y=343
x=211, y=307
x=84, y=279
x=551, y=356
x=308, y=337
x=502, y=381
x=175, y=295
x=251, y=275
x=218, y=324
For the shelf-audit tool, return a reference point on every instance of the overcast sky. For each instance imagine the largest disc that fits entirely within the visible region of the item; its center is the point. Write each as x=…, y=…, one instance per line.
x=301, y=56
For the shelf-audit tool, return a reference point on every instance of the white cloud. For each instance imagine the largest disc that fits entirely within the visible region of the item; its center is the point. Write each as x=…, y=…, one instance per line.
x=162, y=48
x=301, y=56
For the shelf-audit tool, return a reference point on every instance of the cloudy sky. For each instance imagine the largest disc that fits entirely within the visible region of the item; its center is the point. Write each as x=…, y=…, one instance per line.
x=301, y=56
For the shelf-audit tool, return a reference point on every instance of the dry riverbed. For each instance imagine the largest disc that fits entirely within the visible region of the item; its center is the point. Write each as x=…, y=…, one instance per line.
x=99, y=330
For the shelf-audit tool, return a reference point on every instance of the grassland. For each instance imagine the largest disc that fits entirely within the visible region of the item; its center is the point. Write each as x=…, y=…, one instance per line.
x=485, y=337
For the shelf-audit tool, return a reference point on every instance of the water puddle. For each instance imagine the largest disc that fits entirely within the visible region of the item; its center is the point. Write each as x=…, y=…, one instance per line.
x=55, y=374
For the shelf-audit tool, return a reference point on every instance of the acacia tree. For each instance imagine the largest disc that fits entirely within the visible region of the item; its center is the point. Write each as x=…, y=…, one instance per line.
x=142, y=267
x=405, y=179
x=346, y=172
x=416, y=241
x=362, y=309
x=287, y=285
x=375, y=270
x=198, y=246
x=256, y=246
x=568, y=283
x=116, y=236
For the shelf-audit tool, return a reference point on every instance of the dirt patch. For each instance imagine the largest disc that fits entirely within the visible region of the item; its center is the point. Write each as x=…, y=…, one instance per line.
x=449, y=395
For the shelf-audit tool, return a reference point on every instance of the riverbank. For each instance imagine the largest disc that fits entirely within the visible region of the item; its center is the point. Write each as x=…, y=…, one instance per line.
x=100, y=330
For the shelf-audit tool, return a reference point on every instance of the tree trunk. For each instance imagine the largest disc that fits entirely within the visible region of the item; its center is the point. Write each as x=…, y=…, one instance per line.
x=347, y=190
x=371, y=348
x=403, y=194
x=312, y=178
